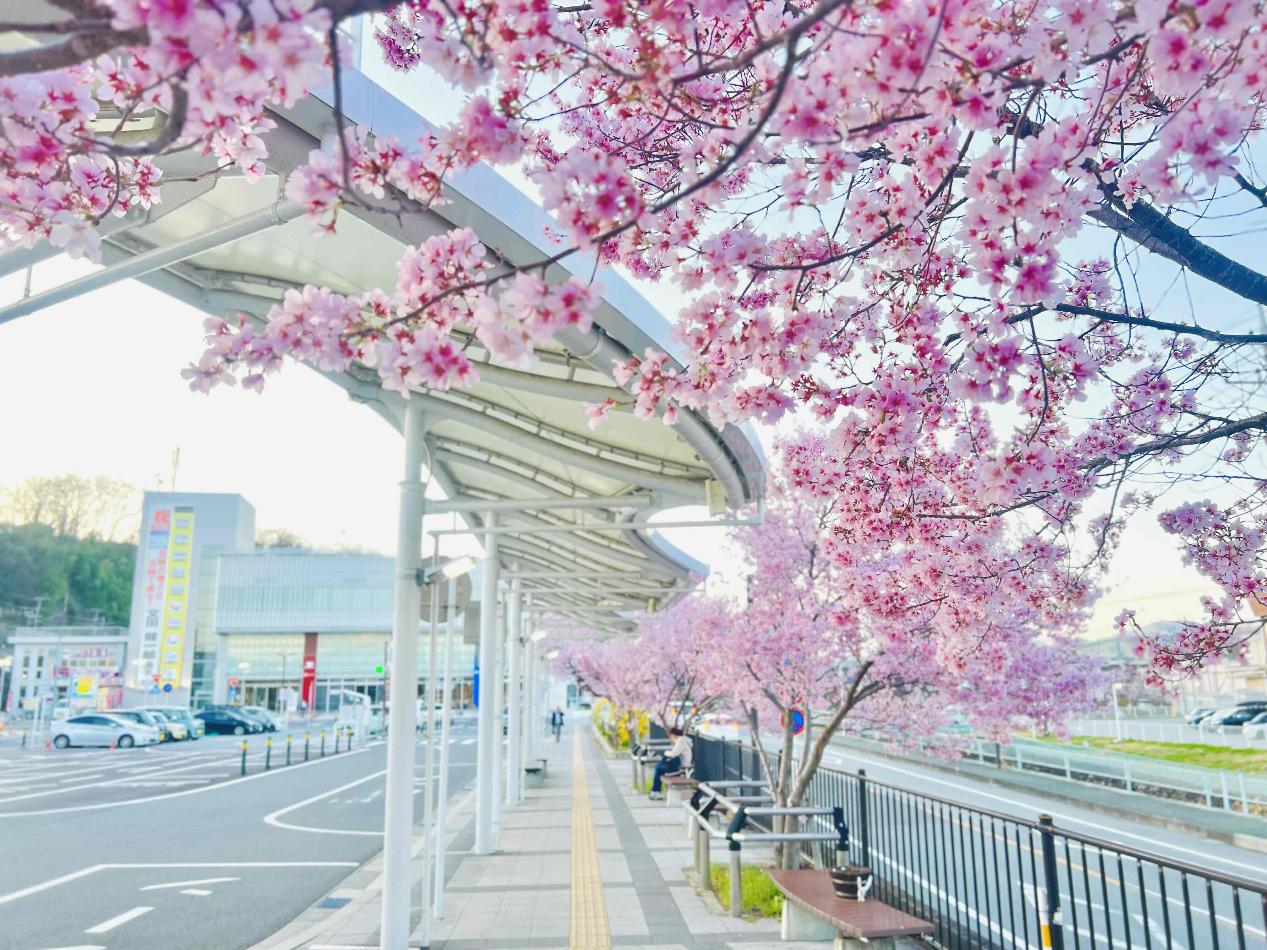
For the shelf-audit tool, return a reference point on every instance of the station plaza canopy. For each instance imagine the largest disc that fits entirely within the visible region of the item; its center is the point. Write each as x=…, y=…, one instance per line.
x=584, y=549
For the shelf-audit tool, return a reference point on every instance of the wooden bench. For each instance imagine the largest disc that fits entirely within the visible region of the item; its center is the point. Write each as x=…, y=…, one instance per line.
x=539, y=768
x=680, y=781
x=812, y=911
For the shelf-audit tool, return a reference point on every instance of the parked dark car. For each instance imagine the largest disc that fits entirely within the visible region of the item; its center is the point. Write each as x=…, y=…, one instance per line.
x=1197, y=715
x=224, y=722
x=1233, y=717
x=257, y=724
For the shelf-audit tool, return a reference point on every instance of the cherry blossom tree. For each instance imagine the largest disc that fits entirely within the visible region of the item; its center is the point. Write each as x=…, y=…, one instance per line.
x=665, y=669
x=969, y=625
x=919, y=222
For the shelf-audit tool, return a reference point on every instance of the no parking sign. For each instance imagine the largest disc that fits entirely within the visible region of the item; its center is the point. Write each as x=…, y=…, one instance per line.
x=798, y=720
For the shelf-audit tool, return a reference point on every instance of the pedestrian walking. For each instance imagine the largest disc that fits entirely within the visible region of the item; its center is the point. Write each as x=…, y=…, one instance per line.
x=556, y=722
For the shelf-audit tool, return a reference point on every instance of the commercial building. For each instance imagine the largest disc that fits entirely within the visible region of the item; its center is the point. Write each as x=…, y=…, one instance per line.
x=295, y=627
x=72, y=668
x=173, y=593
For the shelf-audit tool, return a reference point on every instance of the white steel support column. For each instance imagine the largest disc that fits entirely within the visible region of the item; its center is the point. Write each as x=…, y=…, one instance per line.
x=403, y=716
x=530, y=715
x=446, y=714
x=429, y=773
x=499, y=703
x=489, y=721
x=514, y=692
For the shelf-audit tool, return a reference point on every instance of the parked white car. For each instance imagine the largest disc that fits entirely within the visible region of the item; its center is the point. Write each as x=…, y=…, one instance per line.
x=102, y=729
x=1256, y=728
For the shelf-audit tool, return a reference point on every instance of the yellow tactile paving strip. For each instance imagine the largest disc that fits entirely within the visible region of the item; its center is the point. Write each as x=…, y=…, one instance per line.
x=590, y=930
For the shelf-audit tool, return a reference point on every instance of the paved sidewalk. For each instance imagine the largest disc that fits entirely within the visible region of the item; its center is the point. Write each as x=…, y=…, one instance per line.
x=584, y=864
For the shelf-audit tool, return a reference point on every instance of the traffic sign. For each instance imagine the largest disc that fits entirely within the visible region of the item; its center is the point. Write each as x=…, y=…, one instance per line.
x=233, y=681
x=167, y=687
x=798, y=720
x=379, y=669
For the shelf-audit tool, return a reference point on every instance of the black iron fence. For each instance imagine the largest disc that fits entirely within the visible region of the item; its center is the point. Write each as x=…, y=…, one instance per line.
x=987, y=879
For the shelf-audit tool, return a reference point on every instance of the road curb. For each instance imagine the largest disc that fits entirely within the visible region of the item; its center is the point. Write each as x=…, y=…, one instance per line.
x=1071, y=796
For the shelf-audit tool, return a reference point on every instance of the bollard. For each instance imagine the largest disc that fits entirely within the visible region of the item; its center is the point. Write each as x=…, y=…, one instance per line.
x=268, y=753
x=705, y=859
x=306, y=747
x=1051, y=935
x=243, y=756
x=288, y=748
x=24, y=740
x=338, y=734
x=323, y=743
x=736, y=881
x=349, y=738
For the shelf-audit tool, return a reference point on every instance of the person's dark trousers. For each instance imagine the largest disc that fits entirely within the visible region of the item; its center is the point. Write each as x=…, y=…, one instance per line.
x=558, y=731
x=665, y=767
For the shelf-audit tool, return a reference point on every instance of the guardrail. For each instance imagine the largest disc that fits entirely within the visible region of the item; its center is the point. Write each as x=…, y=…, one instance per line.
x=1210, y=788
x=986, y=879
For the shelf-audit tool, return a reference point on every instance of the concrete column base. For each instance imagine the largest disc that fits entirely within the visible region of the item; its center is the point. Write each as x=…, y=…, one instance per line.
x=798, y=924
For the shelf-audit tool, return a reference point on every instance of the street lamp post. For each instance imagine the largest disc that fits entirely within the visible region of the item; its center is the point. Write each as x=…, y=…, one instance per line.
x=1117, y=712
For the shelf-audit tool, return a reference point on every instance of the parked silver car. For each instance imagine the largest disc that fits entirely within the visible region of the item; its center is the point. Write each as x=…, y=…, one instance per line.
x=102, y=729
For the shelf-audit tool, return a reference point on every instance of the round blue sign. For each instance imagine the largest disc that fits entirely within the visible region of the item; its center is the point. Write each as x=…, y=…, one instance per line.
x=798, y=720
x=167, y=687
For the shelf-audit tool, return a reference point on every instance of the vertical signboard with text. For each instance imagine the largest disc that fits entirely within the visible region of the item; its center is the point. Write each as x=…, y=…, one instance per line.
x=180, y=556
x=157, y=541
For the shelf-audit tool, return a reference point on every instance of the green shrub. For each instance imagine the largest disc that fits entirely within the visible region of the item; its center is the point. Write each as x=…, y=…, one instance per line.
x=760, y=896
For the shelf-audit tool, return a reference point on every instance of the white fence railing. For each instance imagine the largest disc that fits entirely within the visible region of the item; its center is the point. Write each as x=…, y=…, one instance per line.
x=1164, y=730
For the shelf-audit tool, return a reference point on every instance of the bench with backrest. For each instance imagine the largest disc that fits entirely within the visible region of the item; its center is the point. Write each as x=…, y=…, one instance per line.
x=642, y=754
x=812, y=911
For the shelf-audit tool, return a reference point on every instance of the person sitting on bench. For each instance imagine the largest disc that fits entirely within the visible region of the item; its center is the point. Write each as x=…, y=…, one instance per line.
x=676, y=760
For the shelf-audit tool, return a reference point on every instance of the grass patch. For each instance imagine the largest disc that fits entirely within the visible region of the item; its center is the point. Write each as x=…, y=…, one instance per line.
x=760, y=896
x=1184, y=753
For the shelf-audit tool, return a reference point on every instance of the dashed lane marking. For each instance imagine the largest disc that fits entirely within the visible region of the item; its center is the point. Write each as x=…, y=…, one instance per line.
x=119, y=920
x=196, y=892
x=179, y=884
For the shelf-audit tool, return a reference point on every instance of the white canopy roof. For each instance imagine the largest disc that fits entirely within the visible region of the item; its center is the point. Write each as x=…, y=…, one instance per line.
x=226, y=245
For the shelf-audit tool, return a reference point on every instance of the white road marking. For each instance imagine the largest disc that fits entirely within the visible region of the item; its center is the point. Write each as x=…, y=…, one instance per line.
x=468, y=742
x=82, y=946
x=196, y=892
x=232, y=865
x=188, y=791
x=203, y=880
x=107, y=925
x=372, y=795
x=273, y=818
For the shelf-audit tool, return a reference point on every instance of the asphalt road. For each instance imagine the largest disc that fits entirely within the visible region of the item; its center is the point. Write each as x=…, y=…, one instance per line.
x=171, y=847
x=986, y=870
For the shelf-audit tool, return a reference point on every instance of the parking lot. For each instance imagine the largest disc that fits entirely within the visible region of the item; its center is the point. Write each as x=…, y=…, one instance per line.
x=170, y=846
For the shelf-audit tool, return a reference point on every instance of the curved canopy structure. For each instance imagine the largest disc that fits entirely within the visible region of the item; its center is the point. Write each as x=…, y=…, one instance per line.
x=571, y=504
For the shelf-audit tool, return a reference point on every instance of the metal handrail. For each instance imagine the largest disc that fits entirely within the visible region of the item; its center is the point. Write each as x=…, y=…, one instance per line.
x=1173, y=864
